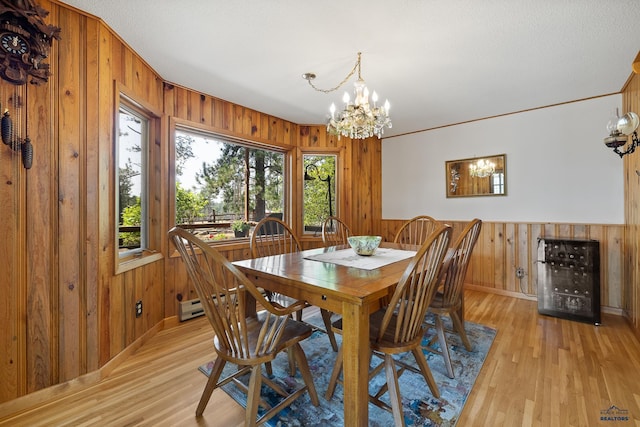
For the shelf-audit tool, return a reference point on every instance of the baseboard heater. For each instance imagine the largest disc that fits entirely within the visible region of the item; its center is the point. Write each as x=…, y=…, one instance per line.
x=190, y=309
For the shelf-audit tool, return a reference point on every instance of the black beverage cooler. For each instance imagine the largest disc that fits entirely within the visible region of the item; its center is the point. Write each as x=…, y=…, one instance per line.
x=569, y=279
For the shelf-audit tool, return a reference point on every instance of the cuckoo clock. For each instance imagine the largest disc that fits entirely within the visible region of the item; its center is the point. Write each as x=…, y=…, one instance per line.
x=25, y=42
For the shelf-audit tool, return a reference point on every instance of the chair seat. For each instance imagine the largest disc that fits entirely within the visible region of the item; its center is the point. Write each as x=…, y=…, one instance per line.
x=438, y=303
x=386, y=344
x=293, y=332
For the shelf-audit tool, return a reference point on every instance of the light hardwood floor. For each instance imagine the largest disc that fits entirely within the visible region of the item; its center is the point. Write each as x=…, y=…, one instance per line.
x=540, y=371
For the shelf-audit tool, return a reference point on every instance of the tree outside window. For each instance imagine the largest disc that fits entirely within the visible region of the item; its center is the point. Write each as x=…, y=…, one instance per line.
x=220, y=181
x=131, y=172
x=319, y=174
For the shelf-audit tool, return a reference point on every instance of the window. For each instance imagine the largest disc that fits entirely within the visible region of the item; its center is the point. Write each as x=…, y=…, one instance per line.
x=497, y=183
x=137, y=205
x=319, y=190
x=131, y=173
x=221, y=183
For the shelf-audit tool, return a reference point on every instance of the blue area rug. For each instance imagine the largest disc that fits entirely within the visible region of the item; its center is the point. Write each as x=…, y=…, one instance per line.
x=420, y=407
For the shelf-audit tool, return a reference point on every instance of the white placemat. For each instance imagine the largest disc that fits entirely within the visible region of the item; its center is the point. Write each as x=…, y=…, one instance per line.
x=347, y=257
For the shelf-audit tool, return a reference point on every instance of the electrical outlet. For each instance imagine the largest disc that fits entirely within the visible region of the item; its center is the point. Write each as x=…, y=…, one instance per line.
x=138, y=308
x=520, y=272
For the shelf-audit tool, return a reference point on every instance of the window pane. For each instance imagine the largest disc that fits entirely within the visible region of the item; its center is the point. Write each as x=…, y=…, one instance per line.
x=220, y=181
x=319, y=190
x=497, y=183
x=131, y=158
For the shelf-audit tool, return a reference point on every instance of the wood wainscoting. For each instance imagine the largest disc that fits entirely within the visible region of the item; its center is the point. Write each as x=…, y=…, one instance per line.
x=503, y=247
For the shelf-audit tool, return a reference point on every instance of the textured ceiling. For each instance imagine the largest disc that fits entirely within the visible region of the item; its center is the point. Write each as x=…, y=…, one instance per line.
x=437, y=62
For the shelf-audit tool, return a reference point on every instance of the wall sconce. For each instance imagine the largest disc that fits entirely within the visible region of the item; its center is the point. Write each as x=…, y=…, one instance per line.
x=620, y=128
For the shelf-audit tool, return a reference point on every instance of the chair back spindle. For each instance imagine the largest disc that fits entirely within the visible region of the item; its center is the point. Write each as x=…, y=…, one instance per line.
x=335, y=232
x=416, y=230
x=458, y=262
x=272, y=236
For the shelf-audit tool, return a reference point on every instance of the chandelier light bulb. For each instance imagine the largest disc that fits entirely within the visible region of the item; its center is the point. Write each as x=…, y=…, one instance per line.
x=332, y=110
x=374, y=98
x=386, y=107
x=346, y=98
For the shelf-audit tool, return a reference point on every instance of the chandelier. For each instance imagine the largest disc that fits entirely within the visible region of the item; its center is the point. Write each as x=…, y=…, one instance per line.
x=482, y=168
x=359, y=119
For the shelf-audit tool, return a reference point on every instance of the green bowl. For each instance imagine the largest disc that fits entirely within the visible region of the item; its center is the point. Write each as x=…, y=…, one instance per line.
x=365, y=245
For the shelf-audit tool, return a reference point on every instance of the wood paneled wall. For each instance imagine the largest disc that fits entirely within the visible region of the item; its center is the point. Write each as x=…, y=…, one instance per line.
x=65, y=312
x=631, y=277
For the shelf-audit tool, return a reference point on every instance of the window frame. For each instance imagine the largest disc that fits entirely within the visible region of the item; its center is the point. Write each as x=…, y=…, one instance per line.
x=186, y=126
x=151, y=216
x=331, y=186
x=144, y=191
x=338, y=197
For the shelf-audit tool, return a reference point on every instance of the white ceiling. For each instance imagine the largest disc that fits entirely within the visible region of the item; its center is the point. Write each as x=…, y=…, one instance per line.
x=438, y=62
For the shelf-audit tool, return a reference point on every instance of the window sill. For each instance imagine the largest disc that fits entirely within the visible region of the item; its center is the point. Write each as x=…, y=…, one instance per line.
x=132, y=263
x=222, y=246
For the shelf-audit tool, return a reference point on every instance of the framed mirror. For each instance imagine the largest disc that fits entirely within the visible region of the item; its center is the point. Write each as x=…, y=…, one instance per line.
x=477, y=176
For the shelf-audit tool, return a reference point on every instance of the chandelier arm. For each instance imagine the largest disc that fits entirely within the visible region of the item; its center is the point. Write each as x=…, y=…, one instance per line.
x=351, y=73
x=634, y=143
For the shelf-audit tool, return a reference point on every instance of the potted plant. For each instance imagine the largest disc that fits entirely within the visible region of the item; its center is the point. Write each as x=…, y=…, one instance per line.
x=240, y=228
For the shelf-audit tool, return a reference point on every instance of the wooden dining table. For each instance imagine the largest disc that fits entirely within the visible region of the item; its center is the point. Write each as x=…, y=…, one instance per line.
x=352, y=292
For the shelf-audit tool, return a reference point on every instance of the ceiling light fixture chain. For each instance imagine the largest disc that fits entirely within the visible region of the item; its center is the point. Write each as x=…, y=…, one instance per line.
x=310, y=76
x=358, y=119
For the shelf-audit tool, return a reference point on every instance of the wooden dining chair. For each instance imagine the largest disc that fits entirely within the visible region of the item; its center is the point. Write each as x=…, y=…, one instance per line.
x=399, y=327
x=272, y=236
x=247, y=342
x=448, y=299
x=335, y=232
x=416, y=230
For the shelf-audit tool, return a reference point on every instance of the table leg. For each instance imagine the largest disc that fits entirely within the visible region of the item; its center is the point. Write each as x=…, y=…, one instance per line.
x=250, y=306
x=355, y=348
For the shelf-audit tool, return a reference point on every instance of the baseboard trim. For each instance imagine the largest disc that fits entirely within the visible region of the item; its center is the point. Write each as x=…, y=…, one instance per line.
x=503, y=292
x=604, y=309
x=55, y=392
